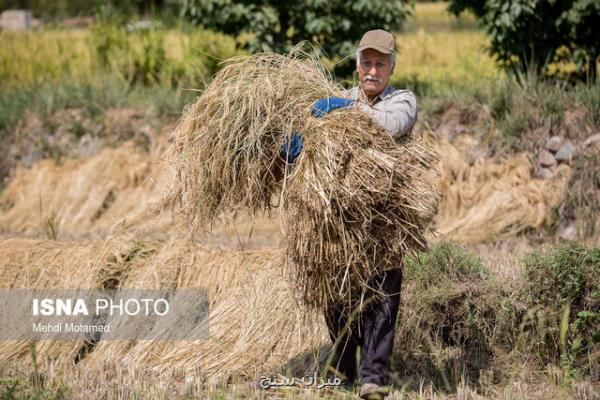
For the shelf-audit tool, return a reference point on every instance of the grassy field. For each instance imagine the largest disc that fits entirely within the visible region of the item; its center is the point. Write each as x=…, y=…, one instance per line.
x=443, y=51
x=187, y=56
x=515, y=318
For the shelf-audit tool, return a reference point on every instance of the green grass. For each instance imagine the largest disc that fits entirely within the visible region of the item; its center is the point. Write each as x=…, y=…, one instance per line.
x=562, y=293
x=15, y=385
x=434, y=17
x=95, y=97
x=173, y=57
x=445, y=262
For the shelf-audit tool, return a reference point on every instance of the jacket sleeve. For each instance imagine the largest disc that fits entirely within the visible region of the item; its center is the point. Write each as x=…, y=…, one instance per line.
x=397, y=115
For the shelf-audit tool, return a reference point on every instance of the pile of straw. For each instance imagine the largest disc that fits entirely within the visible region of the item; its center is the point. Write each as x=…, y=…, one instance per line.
x=102, y=194
x=250, y=332
x=493, y=199
x=28, y=263
x=225, y=149
x=109, y=194
x=353, y=203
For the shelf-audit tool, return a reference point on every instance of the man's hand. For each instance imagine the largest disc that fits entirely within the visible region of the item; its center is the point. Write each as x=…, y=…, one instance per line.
x=290, y=150
x=327, y=104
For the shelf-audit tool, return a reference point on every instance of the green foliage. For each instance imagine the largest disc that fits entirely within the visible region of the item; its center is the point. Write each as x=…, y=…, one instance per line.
x=562, y=293
x=49, y=9
x=567, y=274
x=18, y=388
x=532, y=34
x=335, y=26
x=203, y=53
x=140, y=57
x=137, y=57
x=53, y=8
x=445, y=262
x=527, y=114
x=419, y=86
x=453, y=317
x=21, y=389
x=516, y=124
x=582, y=205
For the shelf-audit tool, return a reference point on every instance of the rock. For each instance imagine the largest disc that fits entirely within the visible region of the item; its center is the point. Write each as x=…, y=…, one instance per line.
x=592, y=140
x=546, y=159
x=545, y=173
x=566, y=152
x=554, y=144
x=89, y=145
x=18, y=20
x=450, y=125
x=31, y=157
x=569, y=233
x=144, y=24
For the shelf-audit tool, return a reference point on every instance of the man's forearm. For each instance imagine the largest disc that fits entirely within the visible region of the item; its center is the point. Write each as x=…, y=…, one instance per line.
x=397, y=122
x=397, y=113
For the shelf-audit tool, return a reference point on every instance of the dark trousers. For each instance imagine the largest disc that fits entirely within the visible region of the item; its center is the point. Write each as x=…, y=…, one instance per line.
x=371, y=331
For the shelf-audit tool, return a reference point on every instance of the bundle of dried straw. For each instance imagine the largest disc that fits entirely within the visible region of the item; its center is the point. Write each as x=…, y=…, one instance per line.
x=353, y=203
x=225, y=148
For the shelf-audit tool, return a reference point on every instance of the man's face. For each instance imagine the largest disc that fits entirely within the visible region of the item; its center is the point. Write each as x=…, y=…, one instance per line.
x=374, y=71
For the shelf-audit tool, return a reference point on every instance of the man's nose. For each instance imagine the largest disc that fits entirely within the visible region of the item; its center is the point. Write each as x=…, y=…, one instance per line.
x=373, y=71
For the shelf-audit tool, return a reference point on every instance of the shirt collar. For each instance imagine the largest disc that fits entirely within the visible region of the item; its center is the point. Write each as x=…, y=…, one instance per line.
x=385, y=93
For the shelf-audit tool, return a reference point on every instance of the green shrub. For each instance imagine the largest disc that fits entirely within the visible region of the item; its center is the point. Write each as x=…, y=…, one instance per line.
x=453, y=316
x=531, y=34
x=562, y=293
x=203, y=54
x=444, y=263
x=138, y=57
x=336, y=26
x=528, y=114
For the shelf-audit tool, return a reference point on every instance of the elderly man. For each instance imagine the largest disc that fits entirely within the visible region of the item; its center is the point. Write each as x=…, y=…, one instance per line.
x=372, y=331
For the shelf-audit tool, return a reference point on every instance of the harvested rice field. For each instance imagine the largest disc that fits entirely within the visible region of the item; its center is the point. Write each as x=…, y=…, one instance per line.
x=497, y=234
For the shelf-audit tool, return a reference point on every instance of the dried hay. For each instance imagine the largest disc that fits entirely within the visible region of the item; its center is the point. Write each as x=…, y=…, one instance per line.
x=28, y=263
x=103, y=194
x=251, y=334
x=250, y=331
x=119, y=186
x=491, y=200
x=353, y=206
x=353, y=203
x=225, y=149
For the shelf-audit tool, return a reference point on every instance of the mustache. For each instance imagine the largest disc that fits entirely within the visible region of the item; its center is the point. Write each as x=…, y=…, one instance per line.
x=371, y=78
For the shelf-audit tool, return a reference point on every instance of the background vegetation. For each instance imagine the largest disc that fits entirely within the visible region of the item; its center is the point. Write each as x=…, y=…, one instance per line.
x=536, y=35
